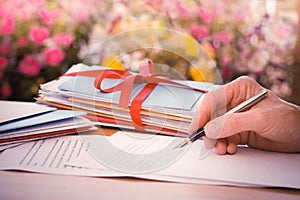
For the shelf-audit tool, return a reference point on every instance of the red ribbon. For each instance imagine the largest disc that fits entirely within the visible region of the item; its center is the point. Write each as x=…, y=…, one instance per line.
x=146, y=76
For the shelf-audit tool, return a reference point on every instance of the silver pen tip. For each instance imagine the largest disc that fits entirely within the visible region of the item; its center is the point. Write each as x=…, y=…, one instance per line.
x=182, y=144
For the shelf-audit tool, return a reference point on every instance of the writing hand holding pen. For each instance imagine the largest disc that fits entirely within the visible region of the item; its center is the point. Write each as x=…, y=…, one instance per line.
x=272, y=124
x=239, y=108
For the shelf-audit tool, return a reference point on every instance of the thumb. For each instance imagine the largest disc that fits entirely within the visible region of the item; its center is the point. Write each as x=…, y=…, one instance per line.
x=228, y=125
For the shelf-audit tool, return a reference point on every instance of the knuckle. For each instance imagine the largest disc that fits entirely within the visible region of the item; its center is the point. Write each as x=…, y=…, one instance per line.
x=246, y=80
x=233, y=124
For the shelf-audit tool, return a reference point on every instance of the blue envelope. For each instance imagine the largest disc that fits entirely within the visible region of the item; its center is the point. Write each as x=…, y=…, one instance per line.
x=44, y=118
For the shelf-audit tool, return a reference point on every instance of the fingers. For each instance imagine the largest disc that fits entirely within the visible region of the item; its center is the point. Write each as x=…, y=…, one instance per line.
x=224, y=145
x=211, y=106
x=232, y=143
x=221, y=147
x=240, y=89
x=230, y=124
x=220, y=99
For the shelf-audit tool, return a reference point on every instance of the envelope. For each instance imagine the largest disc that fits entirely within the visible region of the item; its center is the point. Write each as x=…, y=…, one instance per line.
x=43, y=118
x=13, y=110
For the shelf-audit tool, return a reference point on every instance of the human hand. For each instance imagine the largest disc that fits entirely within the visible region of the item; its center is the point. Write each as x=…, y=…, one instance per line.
x=272, y=124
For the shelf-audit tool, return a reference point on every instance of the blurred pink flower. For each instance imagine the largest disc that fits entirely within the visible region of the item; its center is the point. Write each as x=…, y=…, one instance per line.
x=29, y=66
x=63, y=39
x=53, y=56
x=226, y=72
x=4, y=48
x=184, y=12
x=25, y=15
x=240, y=16
x=224, y=37
x=282, y=31
x=46, y=16
x=7, y=25
x=6, y=91
x=22, y=41
x=38, y=34
x=219, y=8
x=199, y=31
x=84, y=14
x=194, y=11
x=206, y=15
x=3, y=62
x=113, y=23
x=225, y=60
x=244, y=54
x=156, y=4
x=36, y=2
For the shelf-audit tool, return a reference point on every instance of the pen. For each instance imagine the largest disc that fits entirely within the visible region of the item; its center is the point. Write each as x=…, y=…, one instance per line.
x=239, y=108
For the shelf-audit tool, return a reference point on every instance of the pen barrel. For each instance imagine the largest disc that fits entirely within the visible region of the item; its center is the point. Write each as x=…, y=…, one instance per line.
x=249, y=102
x=197, y=135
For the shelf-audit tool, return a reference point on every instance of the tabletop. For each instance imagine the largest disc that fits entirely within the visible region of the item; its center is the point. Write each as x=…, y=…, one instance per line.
x=23, y=185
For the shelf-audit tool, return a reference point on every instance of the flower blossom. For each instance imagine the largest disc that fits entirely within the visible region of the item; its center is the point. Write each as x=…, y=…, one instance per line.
x=4, y=48
x=225, y=59
x=183, y=12
x=3, y=62
x=63, y=39
x=78, y=17
x=29, y=66
x=7, y=25
x=38, y=34
x=53, y=56
x=48, y=16
x=199, y=32
x=206, y=16
x=6, y=91
x=22, y=41
x=226, y=72
x=224, y=37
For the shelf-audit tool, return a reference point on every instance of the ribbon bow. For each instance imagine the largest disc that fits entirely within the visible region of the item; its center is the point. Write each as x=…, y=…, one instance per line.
x=146, y=76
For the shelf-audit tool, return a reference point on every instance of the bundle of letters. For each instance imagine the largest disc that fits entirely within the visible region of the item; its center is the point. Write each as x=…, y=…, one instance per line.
x=142, y=101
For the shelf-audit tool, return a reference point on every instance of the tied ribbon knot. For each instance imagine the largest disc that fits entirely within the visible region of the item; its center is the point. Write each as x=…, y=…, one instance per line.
x=125, y=87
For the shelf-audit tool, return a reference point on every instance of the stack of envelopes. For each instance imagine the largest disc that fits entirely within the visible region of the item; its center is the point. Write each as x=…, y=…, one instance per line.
x=26, y=121
x=169, y=108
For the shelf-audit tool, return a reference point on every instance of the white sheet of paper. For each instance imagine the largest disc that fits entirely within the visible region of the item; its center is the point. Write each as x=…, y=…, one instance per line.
x=50, y=156
x=11, y=110
x=247, y=167
x=67, y=155
x=53, y=155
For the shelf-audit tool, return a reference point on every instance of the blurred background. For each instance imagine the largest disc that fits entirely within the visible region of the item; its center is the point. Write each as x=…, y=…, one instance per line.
x=41, y=39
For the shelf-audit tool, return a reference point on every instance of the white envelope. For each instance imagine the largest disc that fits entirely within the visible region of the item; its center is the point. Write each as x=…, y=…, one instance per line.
x=12, y=110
